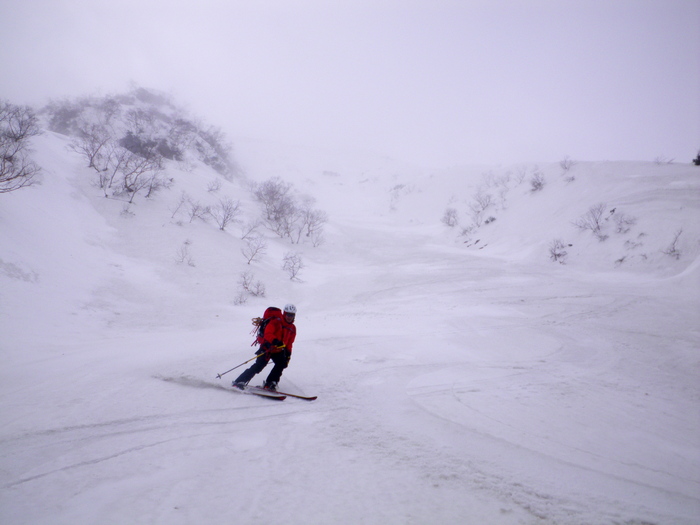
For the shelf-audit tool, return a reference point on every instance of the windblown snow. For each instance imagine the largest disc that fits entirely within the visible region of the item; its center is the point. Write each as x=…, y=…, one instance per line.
x=511, y=369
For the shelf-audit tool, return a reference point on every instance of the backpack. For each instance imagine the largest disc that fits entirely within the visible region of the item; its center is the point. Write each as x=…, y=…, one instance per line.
x=259, y=323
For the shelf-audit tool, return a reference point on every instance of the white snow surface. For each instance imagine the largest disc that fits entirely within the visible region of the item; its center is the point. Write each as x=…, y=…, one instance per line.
x=461, y=378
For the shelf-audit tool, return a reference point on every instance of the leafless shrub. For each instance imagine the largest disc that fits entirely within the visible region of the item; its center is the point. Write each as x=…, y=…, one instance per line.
x=225, y=212
x=317, y=239
x=214, y=186
x=566, y=163
x=502, y=194
x=183, y=254
x=672, y=250
x=249, y=229
x=557, y=251
x=450, y=217
x=184, y=199
x=504, y=180
x=284, y=215
x=307, y=220
x=92, y=142
x=17, y=125
x=255, y=247
x=274, y=196
x=116, y=159
x=480, y=203
x=488, y=179
x=251, y=287
x=126, y=211
x=198, y=211
x=156, y=183
x=624, y=222
x=292, y=264
x=537, y=181
x=143, y=180
x=139, y=173
x=279, y=206
x=241, y=298
x=468, y=230
x=593, y=220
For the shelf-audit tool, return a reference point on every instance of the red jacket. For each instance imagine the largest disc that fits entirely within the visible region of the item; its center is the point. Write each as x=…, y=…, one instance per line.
x=279, y=334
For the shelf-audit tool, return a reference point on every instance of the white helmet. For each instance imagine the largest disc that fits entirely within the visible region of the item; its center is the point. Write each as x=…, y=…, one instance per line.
x=290, y=309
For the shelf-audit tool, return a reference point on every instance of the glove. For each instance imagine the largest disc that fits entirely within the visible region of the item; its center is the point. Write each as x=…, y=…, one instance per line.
x=274, y=347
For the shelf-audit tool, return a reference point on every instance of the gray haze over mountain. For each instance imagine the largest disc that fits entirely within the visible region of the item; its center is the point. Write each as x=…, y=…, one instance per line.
x=434, y=82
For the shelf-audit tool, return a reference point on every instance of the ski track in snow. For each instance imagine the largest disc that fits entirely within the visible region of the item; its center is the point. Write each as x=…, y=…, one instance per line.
x=455, y=384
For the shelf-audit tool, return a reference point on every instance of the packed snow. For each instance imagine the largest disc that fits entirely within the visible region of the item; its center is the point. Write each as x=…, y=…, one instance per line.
x=465, y=375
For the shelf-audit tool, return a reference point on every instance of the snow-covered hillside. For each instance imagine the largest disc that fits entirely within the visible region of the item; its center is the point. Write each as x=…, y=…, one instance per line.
x=463, y=375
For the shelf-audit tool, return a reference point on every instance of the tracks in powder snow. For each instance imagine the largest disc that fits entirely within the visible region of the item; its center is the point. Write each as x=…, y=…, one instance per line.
x=34, y=456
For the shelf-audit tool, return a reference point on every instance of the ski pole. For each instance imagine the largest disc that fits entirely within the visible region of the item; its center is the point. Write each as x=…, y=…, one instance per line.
x=218, y=376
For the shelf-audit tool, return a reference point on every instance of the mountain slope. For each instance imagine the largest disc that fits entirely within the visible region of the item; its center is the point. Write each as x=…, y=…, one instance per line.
x=458, y=381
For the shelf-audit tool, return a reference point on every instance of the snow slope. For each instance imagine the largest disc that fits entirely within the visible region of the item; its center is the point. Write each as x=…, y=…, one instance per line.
x=462, y=378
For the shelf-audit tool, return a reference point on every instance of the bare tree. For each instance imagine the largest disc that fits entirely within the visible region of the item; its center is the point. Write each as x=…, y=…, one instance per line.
x=117, y=159
x=306, y=221
x=624, y=222
x=183, y=254
x=256, y=289
x=255, y=247
x=156, y=183
x=249, y=229
x=317, y=239
x=479, y=205
x=593, y=220
x=450, y=217
x=557, y=251
x=284, y=215
x=537, y=181
x=91, y=143
x=142, y=172
x=278, y=205
x=180, y=203
x=672, y=249
x=214, y=186
x=292, y=264
x=17, y=125
x=226, y=212
x=566, y=163
x=314, y=221
x=198, y=211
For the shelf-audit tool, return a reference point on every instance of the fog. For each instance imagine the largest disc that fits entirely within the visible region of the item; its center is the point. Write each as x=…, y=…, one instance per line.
x=436, y=83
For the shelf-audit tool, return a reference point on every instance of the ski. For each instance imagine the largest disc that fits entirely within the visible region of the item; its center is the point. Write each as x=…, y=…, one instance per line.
x=260, y=393
x=259, y=389
x=305, y=398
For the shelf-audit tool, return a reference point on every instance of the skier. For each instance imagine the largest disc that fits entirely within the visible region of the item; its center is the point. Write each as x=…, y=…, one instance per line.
x=276, y=345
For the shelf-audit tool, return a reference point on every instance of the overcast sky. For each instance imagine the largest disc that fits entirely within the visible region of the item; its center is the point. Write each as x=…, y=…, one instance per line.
x=435, y=82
